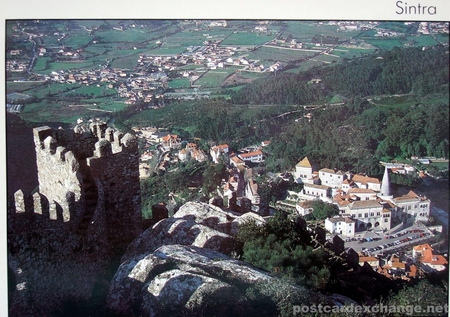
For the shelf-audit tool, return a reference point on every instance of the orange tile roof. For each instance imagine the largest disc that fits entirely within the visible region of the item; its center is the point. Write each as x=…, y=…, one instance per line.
x=421, y=247
x=306, y=204
x=360, y=204
x=367, y=259
x=412, y=270
x=396, y=263
x=361, y=191
x=327, y=170
x=364, y=179
x=436, y=260
x=237, y=160
x=250, y=154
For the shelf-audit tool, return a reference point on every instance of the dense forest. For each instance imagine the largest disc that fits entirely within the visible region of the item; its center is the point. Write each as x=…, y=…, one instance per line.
x=399, y=71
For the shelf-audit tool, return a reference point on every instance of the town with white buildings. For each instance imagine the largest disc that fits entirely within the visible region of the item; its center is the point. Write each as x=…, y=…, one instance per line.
x=380, y=226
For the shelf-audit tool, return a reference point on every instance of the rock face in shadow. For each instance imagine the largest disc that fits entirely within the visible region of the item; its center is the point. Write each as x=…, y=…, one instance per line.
x=178, y=268
x=182, y=280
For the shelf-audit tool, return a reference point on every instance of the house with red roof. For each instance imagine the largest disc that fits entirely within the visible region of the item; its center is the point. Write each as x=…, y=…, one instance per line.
x=429, y=262
x=254, y=157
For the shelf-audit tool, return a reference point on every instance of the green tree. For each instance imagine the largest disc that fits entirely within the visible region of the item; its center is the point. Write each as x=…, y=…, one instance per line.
x=423, y=294
x=283, y=246
x=323, y=210
x=212, y=177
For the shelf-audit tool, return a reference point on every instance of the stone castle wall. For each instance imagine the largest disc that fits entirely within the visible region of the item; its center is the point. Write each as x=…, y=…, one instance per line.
x=61, y=239
x=60, y=180
x=71, y=167
x=115, y=164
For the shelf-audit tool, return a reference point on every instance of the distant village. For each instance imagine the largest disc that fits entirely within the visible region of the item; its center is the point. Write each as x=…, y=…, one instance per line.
x=142, y=83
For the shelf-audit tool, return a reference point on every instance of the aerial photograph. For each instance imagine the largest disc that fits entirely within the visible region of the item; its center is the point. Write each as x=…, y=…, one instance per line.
x=187, y=167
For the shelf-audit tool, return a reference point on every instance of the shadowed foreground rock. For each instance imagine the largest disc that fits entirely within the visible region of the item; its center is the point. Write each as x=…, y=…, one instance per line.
x=178, y=268
x=179, y=280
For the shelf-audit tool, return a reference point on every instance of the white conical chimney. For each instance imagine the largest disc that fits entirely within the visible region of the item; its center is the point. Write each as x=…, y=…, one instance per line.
x=385, y=184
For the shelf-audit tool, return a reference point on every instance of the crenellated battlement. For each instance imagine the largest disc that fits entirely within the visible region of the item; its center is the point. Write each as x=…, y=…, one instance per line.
x=73, y=165
x=86, y=209
x=35, y=213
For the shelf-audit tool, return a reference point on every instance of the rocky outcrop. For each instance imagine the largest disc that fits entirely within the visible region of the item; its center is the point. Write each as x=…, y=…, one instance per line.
x=178, y=268
x=215, y=217
x=208, y=215
x=184, y=280
x=197, y=224
x=179, y=231
x=247, y=217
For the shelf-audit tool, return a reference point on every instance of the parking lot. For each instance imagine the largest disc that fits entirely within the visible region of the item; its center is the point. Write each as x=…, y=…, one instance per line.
x=373, y=243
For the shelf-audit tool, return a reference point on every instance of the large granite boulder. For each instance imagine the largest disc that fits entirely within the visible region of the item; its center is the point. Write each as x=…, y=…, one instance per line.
x=198, y=224
x=208, y=215
x=179, y=231
x=247, y=217
x=180, y=280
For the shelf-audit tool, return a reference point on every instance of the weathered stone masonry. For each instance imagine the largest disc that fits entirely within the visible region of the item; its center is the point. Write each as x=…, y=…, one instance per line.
x=84, y=172
x=88, y=203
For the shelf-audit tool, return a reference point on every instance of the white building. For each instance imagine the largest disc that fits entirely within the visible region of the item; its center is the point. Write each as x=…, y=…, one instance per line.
x=304, y=207
x=314, y=191
x=251, y=192
x=362, y=194
x=369, y=214
x=366, y=182
x=331, y=178
x=304, y=172
x=254, y=157
x=218, y=150
x=412, y=207
x=428, y=261
x=344, y=226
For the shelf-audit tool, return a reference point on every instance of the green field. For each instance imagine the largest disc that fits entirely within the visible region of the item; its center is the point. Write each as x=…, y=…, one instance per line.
x=306, y=65
x=423, y=40
x=168, y=50
x=179, y=83
x=327, y=58
x=100, y=44
x=127, y=59
x=347, y=52
x=385, y=44
x=443, y=38
x=278, y=54
x=246, y=38
x=77, y=39
x=97, y=49
x=304, y=32
x=195, y=38
x=24, y=87
x=57, y=66
x=213, y=78
x=126, y=36
x=410, y=100
x=399, y=27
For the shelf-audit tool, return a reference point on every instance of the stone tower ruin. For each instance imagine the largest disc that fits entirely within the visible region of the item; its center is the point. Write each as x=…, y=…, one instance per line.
x=88, y=182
